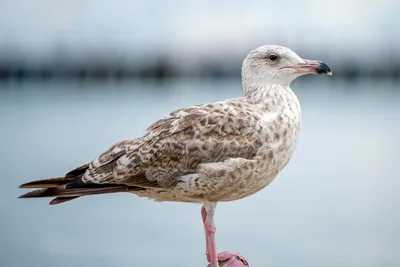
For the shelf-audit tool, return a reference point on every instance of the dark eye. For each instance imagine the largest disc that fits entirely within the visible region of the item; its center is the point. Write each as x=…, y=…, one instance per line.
x=272, y=57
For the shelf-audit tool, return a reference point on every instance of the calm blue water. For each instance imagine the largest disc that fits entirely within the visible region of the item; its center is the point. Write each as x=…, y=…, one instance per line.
x=335, y=204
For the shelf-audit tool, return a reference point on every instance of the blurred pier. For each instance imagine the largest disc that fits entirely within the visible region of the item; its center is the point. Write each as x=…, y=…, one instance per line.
x=163, y=68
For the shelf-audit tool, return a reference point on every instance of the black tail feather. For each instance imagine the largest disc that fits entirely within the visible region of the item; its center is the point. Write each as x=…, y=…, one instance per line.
x=47, y=183
x=77, y=172
x=74, y=192
x=59, y=200
x=70, y=187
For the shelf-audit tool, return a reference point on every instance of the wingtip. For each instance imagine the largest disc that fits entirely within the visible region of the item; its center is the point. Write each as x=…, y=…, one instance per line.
x=29, y=186
x=59, y=200
x=47, y=183
x=35, y=193
x=23, y=196
x=26, y=185
x=23, y=185
x=32, y=184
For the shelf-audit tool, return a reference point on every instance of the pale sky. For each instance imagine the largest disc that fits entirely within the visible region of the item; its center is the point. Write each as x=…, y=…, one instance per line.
x=200, y=27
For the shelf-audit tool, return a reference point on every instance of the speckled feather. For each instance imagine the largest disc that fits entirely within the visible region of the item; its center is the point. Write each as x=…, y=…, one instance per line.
x=206, y=153
x=213, y=152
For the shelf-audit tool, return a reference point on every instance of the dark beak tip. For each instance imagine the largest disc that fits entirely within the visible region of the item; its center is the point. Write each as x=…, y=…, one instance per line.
x=323, y=69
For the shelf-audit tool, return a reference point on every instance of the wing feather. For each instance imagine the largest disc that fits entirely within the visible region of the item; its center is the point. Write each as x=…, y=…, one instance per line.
x=177, y=145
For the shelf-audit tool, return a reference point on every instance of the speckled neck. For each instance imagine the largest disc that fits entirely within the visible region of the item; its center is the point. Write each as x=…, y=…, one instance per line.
x=274, y=94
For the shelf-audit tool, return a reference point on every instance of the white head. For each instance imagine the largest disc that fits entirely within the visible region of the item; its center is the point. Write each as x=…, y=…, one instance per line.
x=273, y=64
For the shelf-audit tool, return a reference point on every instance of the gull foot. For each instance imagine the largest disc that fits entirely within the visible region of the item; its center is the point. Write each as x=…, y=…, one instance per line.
x=230, y=259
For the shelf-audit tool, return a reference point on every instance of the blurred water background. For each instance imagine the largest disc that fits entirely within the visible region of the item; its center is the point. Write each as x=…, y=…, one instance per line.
x=77, y=76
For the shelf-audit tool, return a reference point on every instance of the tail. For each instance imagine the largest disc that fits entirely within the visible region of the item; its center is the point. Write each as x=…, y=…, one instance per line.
x=69, y=187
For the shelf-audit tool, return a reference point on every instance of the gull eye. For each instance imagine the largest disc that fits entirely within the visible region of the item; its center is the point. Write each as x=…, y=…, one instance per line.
x=272, y=57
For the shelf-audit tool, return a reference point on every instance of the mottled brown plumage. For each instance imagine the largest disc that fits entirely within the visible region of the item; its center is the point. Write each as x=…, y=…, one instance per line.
x=207, y=153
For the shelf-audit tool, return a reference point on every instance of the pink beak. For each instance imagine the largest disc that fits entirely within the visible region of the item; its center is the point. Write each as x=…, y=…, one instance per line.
x=311, y=67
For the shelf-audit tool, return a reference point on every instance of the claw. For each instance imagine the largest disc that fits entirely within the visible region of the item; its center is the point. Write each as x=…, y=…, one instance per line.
x=231, y=259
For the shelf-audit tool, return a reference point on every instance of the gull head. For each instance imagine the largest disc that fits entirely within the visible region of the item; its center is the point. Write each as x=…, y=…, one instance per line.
x=273, y=64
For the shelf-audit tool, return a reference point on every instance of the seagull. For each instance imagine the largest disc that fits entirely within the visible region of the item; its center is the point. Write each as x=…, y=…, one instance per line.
x=207, y=153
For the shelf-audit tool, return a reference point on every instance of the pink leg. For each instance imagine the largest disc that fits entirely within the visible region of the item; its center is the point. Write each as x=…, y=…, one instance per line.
x=204, y=217
x=210, y=236
x=227, y=258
